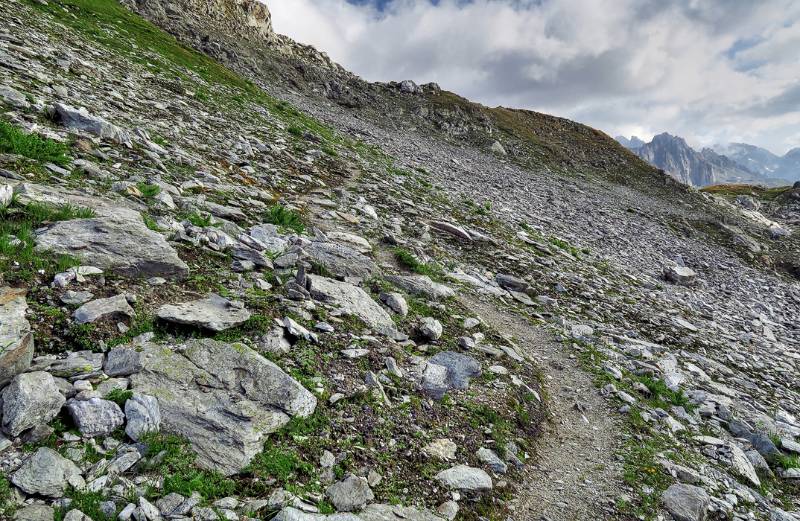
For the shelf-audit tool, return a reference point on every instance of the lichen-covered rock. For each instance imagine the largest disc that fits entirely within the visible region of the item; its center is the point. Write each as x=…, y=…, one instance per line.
x=30, y=399
x=686, y=502
x=462, y=477
x=224, y=398
x=16, y=338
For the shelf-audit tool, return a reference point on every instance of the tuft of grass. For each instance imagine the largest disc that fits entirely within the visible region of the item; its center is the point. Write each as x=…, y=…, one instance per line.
x=86, y=502
x=14, y=140
x=295, y=131
x=202, y=220
x=7, y=506
x=281, y=464
x=148, y=191
x=176, y=464
x=661, y=396
x=150, y=222
x=119, y=396
x=281, y=216
x=19, y=261
x=408, y=260
x=791, y=461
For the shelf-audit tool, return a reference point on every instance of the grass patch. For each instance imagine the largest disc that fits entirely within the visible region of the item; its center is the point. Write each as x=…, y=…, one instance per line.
x=791, y=461
x=119, y=396
x=661, y=396
x=202, y=220
x=148, y=191
x=180, y=473
x=14, y=140
x=281, y=464
x=19, y=261
x=86, y=502
x=7, y=506
x=281, y=216
x=410, y=261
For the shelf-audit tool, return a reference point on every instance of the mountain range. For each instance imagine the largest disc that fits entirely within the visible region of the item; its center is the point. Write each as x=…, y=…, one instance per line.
x=720, y=164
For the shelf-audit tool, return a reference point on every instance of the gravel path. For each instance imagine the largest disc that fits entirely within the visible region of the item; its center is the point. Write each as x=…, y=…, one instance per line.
x=575, y=474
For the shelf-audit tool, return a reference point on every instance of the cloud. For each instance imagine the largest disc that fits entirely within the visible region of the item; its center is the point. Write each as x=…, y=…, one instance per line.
x=709, y=70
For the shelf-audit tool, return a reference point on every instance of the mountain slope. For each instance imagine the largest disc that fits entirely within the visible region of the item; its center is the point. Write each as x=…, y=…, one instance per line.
x=331, y=296
x=763, y=161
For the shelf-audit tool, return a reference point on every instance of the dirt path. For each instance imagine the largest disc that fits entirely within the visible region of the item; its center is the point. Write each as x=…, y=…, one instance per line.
x=575, y=475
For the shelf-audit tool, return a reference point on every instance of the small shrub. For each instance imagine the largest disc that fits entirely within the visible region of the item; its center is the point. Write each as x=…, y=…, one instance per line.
x=281, y=216
x=148, y=191
x=408, y=260
x=14, y=141
x=198, y=219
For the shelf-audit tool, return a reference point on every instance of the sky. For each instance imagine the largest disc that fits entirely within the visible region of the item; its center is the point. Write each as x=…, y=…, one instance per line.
x=711, y=71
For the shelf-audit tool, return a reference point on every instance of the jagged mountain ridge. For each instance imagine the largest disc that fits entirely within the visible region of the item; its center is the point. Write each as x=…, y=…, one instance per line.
x=703, y=168
x=763, y=161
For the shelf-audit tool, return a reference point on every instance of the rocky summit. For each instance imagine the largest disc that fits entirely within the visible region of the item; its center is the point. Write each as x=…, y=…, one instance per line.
x=239, y=282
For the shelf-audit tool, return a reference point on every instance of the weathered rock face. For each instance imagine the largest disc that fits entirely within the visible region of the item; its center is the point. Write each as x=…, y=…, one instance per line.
x=30, y=399
x=95, y=417
x=354, y=300
x=213, y=312
x=224, y=398
x=686, y=502
x=16, y=339
x=47, y=473
x=125, y=246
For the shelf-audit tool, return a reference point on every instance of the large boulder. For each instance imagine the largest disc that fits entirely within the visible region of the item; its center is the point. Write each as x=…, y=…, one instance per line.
x=686, y=502
x=341, y=261
x=16, y=339
x=354, y=301
x=350, y=494
x=421, y=285
x=680, y=275
x=448, y=370
x=47, y=473
x=80, y=119
x=223, y=398
x=104, y=308
x=121, y=244
x=462, y=477
x=214, y=312
x=31, y=399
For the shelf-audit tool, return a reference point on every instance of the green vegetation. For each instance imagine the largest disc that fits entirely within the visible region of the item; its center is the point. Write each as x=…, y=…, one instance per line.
x=281, y=464
x=409, y=261
x=14, y=141
x=180, y=473
x=791, y=461
x=202, y=220
x=661, y=396
x=6, y=498
x=150, y=222
x=18, y=259
x=86, y=502
x=119, y=396
x=148, y=191
x=285, y=218
x=734, y=190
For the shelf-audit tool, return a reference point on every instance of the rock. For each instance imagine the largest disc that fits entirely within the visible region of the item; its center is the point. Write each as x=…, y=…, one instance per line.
x=34, y=513
x=462, y=477
x=396, y=302
x=294, y=514
x=47, y=473
x=224, y=398
x=680, y=275
x=497, y=148
x=511, y=283
x=143, y=415
x=359, y=244
x=350, y=494
x=80, y=119
x=121, y=243
x=95, y=416
x=76, y=515
x=421, y=285
x=451, y=229
x=6, y=194
x=77, y=365
x=13, y=97
x=741, y=465
x=213, y=312
x=268, y=238
x=76, y=298
x=383, y=512
x=442, y=448
x=122, y=361
x=430, y=328
x=686, y=502
x=16, y=338
x=492, y=460
x=341, y=261
x=30, y=399
x=115, y=307
x=448, y=370
x=354, y=301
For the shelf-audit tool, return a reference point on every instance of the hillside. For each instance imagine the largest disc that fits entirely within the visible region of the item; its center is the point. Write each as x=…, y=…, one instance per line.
x=239, y=282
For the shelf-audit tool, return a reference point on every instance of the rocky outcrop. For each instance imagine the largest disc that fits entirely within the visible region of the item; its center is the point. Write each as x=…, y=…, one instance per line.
x=224, y=398
x=16, y=339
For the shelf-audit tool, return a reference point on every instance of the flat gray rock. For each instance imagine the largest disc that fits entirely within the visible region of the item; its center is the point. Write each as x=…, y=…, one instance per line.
x=115, y=307
x=680, y=275
x=448, y=370
x=95, y=416
x=122, y=361
x=35, y=513
x=382, y=512
x=213, y=312
x=421, y=285
x=117, y=243
x=224, y=398
x=143, y=415
x=31, y=399
x=341, y=261
x=353, y=300
x=430, y=328
x=294, y=514
x=686, y=502
x=46, y=473
x=462, y=477
x=350, y=494
x=16, y=338
x=80, y=119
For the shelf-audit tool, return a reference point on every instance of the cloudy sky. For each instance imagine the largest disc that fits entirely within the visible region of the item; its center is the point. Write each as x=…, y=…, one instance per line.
x=709, y=70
